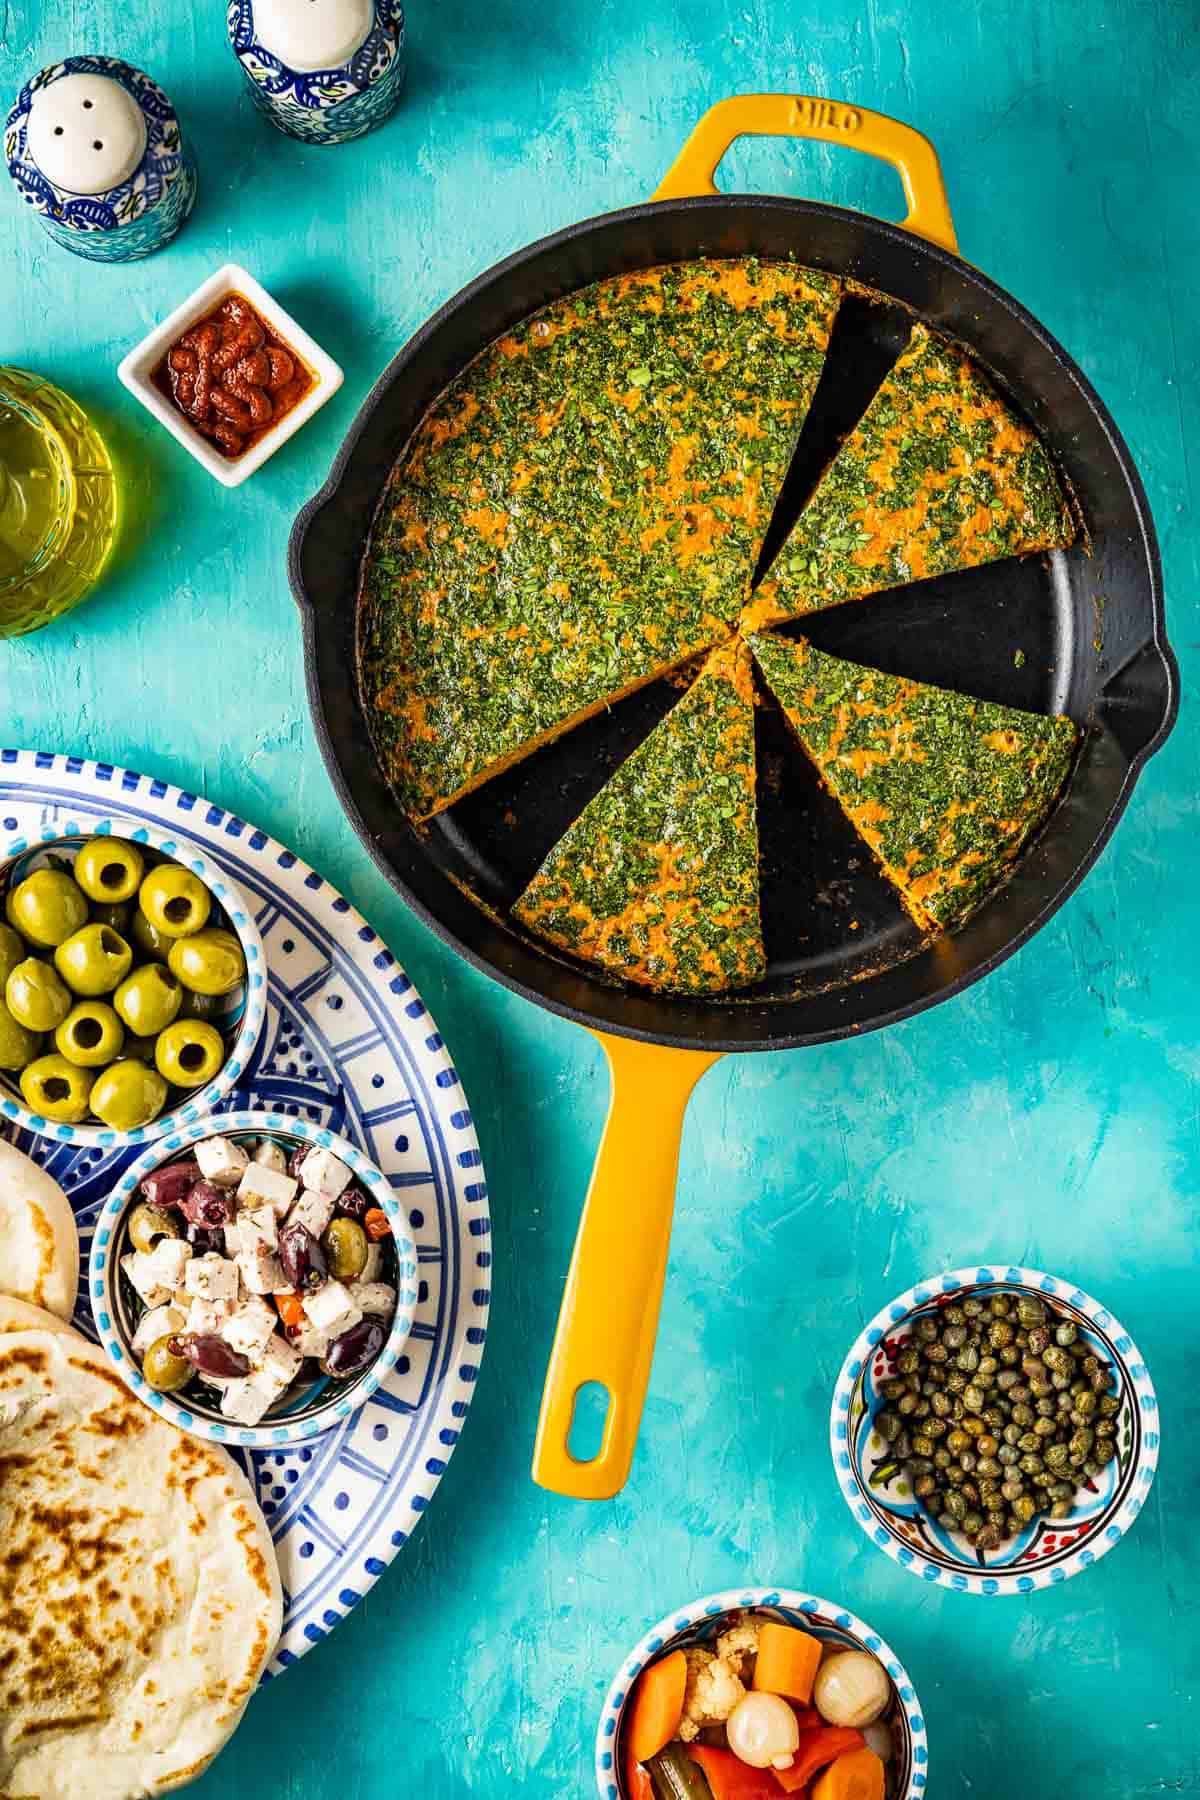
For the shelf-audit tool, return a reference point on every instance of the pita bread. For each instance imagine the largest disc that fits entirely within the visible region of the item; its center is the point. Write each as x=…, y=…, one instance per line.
x=139, y=1593
x=39, y=1246
x=18, y=1315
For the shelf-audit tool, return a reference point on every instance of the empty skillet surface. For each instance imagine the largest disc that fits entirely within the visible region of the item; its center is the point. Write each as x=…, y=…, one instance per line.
x=1073, y=632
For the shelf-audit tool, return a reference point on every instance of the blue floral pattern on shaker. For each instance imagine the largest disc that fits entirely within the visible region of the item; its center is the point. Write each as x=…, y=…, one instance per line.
x=325, y=106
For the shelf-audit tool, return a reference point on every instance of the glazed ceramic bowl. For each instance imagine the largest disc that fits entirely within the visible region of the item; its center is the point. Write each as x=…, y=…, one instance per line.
x=325, y=1402
x=1048, y=1551
x=705, y=1619
x=243, y=1014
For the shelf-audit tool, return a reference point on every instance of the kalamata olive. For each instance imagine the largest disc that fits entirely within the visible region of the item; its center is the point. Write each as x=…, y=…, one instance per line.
x=356, y=1349
x=353, y=1203
x=302, y=1258
x=167, y=1186
x=210, y=1354
x=207, y=1204
x=296, y=1158
x=202, y=1239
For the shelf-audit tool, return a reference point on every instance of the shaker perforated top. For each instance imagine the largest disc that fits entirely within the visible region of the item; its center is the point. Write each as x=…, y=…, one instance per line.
x=86, y=133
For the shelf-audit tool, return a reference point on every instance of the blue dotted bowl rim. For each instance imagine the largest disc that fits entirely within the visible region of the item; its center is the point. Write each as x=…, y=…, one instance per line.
x=264, y=1121
x=193, y=1106
x=1105, y=1530
x=609, y=1783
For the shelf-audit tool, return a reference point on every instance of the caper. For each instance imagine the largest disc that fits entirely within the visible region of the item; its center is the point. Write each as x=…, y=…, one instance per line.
x=1062, y=1509
x=147, y=1225
x=925, y=1330
x=1066, y=1332
x=1030, y=1311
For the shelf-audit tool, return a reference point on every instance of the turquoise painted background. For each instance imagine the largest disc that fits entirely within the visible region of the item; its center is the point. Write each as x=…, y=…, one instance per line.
x=1050, y=1117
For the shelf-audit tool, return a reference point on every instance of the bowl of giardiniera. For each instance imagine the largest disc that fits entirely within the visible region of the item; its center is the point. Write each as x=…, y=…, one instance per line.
x=995, y=1430
x=759, y=1693
x=253, y=1277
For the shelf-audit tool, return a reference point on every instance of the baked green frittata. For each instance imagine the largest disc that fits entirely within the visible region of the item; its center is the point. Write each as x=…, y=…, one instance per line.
x=944, y=789
x=939, y=475
x=657, y=880
x=580, y=511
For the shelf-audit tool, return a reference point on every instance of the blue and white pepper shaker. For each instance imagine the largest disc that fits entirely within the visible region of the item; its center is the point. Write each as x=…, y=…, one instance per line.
x=94, y=147
x=322, y=70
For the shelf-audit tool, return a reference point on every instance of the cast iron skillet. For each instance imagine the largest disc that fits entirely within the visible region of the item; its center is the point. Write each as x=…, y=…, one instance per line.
x=1077, y=632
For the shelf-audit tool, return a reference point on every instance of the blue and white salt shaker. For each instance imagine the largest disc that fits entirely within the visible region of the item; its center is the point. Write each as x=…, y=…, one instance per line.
x=93, y=145
x=321, y=70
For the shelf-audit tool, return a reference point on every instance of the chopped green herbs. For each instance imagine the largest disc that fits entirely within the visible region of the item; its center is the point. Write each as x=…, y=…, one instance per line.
x=581, y=510
x=939, y=475
x=944, y=789
x=657, y=880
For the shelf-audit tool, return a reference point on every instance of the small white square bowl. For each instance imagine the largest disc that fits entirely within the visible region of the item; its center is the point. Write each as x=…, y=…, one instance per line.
x=137, y=368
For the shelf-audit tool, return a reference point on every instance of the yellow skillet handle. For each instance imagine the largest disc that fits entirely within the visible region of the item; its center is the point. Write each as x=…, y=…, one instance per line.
x=609, y=1315
x=804, y=115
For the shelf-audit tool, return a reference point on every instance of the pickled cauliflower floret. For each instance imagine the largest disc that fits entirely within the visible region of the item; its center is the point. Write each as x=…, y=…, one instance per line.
x=739, y=1646
x=712, y=1691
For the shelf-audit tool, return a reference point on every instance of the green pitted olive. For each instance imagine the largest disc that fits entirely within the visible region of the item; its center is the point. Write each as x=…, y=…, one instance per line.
x=189, y=1052
x=345, y=1245
x=56, y=1089
x=148, y=999
x=128, y=1094
x=107, y=868
x=176, y=902
x=18, y=1045
x=202, y=1006
x=47, y=907
x=147, y=1225
x=209, y=962
x=93, y=961
x=149, y=939
x=35, y=995
x=13, y=950
x=164, y=1371
x=118, y=914
x=91, y=1035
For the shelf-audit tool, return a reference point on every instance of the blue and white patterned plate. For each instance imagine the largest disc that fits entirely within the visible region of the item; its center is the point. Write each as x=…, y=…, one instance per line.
x=1048, y=1551
x=705, y=1619
x=348, y=1045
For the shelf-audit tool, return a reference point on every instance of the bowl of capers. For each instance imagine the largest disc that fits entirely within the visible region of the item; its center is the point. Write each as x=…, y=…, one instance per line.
x=994, y=1430
x=132, y=983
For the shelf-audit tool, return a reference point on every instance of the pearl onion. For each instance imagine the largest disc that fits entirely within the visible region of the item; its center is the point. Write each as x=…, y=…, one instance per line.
x=762, y=1731
x=851, y=1689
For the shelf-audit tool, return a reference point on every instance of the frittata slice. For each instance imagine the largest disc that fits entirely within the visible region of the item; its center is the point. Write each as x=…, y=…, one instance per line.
x=657, y=880
x=939, y=475
x=581, y=511
x=943, y=788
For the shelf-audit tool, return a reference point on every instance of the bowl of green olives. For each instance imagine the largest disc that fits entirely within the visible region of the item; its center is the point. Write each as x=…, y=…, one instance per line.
x=132, y=983
x=253, y=1278
x=994, y=1430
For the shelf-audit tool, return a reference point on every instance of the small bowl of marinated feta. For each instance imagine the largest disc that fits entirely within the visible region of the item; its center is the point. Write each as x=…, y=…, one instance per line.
x=254, y=1278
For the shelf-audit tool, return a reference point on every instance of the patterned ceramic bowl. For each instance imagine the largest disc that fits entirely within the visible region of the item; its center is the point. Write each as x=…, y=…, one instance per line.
x=326, y=1401
x=705, y=1619
x=240, y=1022
x=1048, y=1551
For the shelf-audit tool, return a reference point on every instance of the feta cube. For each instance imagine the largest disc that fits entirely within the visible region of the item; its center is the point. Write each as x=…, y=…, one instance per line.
x=142, y=1271
x=257, y=1225
x=372, y=1269
x=323, y=1173
x=221, y=1161
x=376, y=1297
x=233, y=1239
x=249, y=1327
x=313, y=1210
x=244, y=1400
x=331, y=1309
x=212, y=1277
x=160, y=1321
x=171, y=1257
x=270, y=1155
x=209, y=1317
x=261, y=1271
x=278, y=1362
x=311, y=1342
x=261, y=1186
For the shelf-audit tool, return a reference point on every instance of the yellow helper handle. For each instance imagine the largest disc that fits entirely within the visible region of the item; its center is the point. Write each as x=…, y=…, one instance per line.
x=831, y=122
x=609, y=1315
